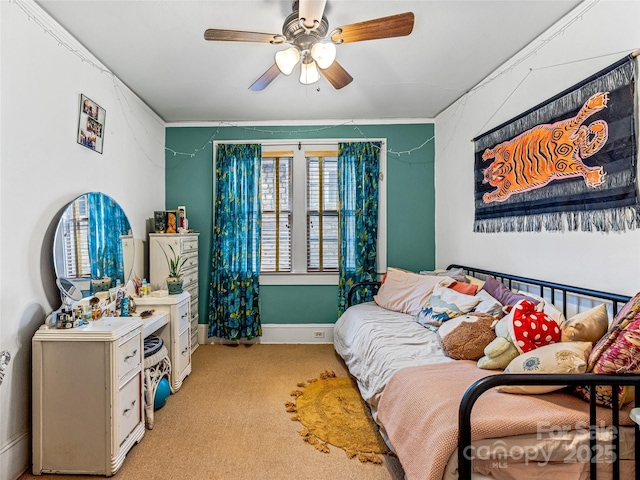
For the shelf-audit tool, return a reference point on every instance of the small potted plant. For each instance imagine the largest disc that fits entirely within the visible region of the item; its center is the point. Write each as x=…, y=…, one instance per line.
x=175, y=264
x=102, y=281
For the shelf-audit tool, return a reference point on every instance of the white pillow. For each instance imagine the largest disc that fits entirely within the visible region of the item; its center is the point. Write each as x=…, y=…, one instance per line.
x=407, y=292
x=546, y=307
x=488, y=304
x=561, y=357
x=444, y=304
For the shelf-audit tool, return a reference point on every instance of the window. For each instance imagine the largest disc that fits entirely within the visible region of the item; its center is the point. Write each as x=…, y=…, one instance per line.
x=299, y=188
x=322, y=211
x=295, y=184
x=275, y=243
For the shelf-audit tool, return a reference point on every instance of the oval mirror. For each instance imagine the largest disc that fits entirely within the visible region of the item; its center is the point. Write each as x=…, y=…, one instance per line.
x=92, y=247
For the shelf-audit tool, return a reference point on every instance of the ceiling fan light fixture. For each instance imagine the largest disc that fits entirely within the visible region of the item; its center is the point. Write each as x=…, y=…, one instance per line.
x=287, y=59
x=324, y=53
x=309, y=73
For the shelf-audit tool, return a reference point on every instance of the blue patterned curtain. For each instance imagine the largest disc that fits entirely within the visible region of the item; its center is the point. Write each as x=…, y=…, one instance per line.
x=234, y=294
x=358, y=171
x=107, y=222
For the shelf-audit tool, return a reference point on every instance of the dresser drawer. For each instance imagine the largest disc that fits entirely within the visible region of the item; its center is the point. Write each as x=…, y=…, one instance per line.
x=129, y=354
x=193, y=292
x=189, y=279
x=194, y=337
x=129, y=410
x=184, y=351
x=194, y=308
x=183, y=316
x=189, y=244
x=191, y=262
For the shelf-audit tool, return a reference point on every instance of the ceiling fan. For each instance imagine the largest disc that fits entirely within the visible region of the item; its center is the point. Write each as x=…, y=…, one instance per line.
x=306, y=29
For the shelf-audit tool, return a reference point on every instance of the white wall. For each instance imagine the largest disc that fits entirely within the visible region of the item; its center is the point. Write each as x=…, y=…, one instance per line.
x=603, y=32
x=42, y=169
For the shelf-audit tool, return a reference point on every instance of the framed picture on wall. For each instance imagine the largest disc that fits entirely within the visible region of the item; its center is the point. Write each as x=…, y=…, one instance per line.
x=91, y=124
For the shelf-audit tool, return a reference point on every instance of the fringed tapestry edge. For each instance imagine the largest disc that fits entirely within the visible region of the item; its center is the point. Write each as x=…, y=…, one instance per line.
x=609, y=220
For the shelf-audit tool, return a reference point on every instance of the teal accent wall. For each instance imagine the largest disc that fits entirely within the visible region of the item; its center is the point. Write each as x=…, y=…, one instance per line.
x=410, y=204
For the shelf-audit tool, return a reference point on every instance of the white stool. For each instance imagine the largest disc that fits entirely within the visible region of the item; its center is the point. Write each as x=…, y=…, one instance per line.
x=156, y=366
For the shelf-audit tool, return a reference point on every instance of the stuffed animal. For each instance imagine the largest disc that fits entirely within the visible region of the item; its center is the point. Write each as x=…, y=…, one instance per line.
x=521, y=331
x=465, y=337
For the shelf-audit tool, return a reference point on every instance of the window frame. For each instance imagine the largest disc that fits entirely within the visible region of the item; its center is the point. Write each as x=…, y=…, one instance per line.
x=299, y=215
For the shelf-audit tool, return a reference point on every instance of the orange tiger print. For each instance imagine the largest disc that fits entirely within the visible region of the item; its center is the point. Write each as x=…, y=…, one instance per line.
x=548, y=152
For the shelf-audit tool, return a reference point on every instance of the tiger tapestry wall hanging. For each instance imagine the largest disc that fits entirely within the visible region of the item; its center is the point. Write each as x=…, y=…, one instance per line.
x=569, y=163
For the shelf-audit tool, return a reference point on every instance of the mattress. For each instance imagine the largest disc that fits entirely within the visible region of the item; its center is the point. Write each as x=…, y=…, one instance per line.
x=375, y=343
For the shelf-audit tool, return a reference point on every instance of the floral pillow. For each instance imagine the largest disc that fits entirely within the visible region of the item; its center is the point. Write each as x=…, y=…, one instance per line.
x=618, y=351
x=444, y=304
x=563, y=357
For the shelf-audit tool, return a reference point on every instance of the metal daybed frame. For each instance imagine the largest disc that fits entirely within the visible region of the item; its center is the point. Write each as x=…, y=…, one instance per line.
x=587, y=379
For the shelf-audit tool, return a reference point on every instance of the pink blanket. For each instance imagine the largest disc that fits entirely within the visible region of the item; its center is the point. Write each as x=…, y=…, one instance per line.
x=419, y=412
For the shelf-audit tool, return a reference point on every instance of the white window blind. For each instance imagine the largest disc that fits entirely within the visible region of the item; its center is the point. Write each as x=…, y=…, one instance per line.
x=275, y=243
x=322, y=211
x=75, y=225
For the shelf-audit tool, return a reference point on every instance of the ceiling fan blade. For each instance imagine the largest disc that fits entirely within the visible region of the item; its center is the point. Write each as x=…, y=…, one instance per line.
x=337, y=75
x=385, y=27
x=311, y=11
x=217, y=34
x=266, y=78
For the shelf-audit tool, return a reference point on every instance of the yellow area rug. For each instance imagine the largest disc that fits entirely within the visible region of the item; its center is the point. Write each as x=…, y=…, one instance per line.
x=333, y=413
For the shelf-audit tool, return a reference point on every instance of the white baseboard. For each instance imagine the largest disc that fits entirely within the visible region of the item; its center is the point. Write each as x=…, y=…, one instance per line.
x=280, y=333
x=14, y=456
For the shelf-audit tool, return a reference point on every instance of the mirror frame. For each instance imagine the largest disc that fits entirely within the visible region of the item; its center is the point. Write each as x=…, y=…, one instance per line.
x=73, y=287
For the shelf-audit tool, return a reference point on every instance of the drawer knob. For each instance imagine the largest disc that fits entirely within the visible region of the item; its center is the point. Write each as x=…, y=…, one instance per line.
x=127, y=411
x=129, y=357
x=185, y=315
x=184, y=352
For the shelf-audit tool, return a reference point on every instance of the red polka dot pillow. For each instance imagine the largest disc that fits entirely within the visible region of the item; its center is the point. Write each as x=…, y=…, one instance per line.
x=530, y=329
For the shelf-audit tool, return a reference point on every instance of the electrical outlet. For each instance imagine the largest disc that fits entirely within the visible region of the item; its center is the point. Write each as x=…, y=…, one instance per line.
x=318, y=334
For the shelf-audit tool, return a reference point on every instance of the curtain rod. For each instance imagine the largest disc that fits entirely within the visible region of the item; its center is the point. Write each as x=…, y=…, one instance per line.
x=330, y=141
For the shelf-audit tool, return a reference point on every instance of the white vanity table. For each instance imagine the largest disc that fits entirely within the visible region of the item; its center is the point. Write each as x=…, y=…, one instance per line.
x=87, y=396
x=88, y=381
x=176, y=335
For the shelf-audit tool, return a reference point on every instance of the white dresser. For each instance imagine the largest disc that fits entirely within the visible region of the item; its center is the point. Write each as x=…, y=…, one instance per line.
x=185, y=245
x=176, y=334
x=87, y=396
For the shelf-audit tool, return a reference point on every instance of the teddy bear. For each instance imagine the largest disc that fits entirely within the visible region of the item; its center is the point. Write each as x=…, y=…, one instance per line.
x=523, y=329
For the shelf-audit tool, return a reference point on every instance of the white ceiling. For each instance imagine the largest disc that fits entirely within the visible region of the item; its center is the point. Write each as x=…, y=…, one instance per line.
x=157, y=48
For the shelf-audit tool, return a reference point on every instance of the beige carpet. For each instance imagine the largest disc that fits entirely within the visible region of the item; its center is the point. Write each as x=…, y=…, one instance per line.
x=228, y=422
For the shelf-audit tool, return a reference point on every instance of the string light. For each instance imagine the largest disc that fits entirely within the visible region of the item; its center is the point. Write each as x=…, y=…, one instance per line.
x=122, y=95
x=299, y=132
